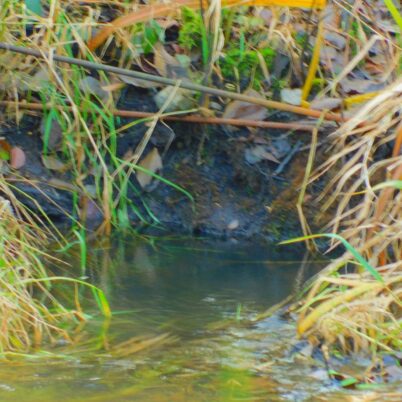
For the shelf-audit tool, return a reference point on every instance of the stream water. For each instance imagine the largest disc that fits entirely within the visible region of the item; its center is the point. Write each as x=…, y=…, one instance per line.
x=182, y=330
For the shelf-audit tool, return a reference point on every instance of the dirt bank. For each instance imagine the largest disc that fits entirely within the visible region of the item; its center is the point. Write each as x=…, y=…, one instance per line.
x=244, y=183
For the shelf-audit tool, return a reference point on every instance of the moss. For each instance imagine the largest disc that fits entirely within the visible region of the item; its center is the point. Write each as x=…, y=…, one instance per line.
x=190, y=35
x=244, y=61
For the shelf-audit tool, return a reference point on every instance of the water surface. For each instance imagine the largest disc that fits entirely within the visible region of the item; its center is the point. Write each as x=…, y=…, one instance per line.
x=182, y=330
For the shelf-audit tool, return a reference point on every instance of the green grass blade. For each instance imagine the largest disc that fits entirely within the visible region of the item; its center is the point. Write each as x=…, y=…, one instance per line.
x=100, y=297
x=163, y=180
x=397, y=184
x=359, y=258
x=396, y=15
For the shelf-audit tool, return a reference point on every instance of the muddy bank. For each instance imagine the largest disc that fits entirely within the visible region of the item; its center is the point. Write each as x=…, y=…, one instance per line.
x=244, y=183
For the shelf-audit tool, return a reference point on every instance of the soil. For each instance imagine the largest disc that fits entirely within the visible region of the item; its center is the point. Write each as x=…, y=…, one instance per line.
x=234, y=197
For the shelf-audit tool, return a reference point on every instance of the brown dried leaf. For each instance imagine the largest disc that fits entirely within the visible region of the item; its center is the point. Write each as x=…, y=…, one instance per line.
x=36, y=82
x=360, y=86
x=325, y=103
x=137, y=82
x=182, y=99
x=168, y=65
x=53, y=163
x=257, y=154
x=5, y=147
x=244, y=110
x=54, y=141
x=93, y=86
x=152, y=162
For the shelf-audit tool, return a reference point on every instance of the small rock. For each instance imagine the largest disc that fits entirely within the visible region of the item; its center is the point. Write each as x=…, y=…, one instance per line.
x=234, y=224
x=17, y=158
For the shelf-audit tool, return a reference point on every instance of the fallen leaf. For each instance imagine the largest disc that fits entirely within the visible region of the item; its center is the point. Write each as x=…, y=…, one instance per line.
x=280, y=147
x=336, y=39
x=37, y=82
x=5, y=149
x=54, y=133
x=62, y=185
x=93, y=86
x=257, y=154
x=162, y=59
x=168, y=65
x=182, y=99
x=137, y=82
x=4, y=167
x=328, y=53
x=5, y=206
x=325, y=103
x=244, y=110
x=291, y=96
x=360, y=86
x=17, y=158
x=53, y=163
x=168, y=23
x=151, y=162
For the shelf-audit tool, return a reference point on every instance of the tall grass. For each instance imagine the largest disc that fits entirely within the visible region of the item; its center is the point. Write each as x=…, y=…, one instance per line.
x=30, y=314
x=355, y=302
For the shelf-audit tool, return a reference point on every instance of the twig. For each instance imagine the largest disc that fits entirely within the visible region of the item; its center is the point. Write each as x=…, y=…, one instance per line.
x=172, y=82
x=288, y=158
x=184, y=119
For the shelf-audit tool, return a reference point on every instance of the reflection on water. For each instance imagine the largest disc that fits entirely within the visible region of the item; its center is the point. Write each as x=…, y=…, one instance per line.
x=181, y=288
x=179, y=332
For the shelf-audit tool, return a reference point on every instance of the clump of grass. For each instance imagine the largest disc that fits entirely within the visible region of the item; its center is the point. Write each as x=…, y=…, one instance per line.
x=352, y=305
x=355, y=303
x=31, y=315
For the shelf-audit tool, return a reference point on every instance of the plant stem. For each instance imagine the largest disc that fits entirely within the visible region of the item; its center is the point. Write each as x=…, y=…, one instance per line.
x=169, y=81
x=184, y=119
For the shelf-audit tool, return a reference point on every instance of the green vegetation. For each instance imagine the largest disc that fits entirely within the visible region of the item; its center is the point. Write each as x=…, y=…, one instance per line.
x=29, y=320
x=192, y=32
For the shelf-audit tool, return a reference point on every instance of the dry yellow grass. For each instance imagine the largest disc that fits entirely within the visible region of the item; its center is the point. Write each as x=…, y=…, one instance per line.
x=345, y=306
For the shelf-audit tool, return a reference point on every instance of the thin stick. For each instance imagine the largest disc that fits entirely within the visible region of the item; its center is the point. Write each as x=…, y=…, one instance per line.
x=169, y=81
x=184, y=119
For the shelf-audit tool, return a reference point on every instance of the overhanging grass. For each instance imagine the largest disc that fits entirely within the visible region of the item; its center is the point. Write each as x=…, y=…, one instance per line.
x=354, y=304
x=30, y=314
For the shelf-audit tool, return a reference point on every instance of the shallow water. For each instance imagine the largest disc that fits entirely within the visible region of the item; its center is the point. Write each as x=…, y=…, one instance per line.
x=182, y=331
